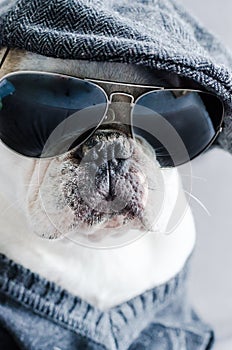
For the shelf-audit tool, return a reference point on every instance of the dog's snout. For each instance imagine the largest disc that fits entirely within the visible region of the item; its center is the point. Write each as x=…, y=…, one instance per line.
x=108, y=181
x=106, y=153
x=104, y=146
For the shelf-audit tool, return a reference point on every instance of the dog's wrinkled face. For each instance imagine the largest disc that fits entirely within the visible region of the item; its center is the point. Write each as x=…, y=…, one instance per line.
x=111, y=184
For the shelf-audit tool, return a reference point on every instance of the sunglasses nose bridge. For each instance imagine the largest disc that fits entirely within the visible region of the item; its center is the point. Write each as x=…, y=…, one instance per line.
x=122, y=94
x=118, y=112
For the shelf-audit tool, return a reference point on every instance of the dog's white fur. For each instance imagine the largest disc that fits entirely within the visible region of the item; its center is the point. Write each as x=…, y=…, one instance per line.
x=104, y=278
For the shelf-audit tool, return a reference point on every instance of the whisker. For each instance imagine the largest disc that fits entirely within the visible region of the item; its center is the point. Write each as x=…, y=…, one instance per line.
x=195, y=177
x=155, y=189
x=10, y=206
x=30, y=184
x=198, y=201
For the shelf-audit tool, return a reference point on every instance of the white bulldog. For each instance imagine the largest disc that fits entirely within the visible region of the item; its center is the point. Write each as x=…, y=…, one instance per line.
x=35, y=193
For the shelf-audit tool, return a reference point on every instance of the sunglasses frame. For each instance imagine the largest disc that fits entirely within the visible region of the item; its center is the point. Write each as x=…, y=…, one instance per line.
x=98, y=83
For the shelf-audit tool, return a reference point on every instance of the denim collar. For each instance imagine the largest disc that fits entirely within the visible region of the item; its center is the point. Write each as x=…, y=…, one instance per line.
x=115, y=328
x=40, y=316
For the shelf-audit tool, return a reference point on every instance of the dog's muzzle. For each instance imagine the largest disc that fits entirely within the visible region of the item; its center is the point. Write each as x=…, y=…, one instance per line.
x=102, y=180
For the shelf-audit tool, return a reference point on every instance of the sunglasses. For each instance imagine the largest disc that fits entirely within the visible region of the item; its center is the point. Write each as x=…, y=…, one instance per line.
x=45, y=115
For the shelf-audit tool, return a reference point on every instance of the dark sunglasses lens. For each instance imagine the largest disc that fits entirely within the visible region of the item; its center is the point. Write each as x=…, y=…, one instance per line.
x=43, y=115
x=179, y=124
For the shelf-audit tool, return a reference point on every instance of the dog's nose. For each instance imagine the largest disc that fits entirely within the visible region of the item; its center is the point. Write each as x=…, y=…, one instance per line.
x=105, y=155
x=106, y=175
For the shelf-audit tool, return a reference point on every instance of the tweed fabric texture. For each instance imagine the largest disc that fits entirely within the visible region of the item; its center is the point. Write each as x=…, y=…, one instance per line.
x=154, y=33
x=39, y=315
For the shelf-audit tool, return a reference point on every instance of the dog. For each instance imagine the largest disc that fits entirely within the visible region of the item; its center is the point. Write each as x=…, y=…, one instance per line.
x=115, y=275
x=102, y=277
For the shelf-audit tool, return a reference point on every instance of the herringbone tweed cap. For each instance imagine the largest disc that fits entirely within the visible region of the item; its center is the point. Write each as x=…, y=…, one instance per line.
x=154, y=33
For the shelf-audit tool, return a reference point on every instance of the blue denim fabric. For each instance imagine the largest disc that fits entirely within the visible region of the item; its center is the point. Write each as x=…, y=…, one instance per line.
x=36, y=314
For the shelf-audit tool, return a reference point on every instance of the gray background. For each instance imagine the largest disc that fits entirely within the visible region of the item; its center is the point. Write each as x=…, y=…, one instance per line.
x=211, y=279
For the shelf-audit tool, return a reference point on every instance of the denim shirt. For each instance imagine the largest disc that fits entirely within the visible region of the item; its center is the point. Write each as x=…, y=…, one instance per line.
x=36, y=314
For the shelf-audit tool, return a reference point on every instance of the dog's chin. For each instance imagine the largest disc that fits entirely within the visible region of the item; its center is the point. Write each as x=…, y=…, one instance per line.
x=114, y=231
